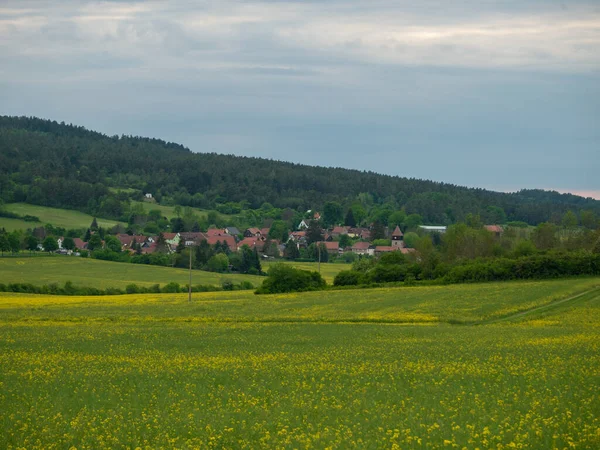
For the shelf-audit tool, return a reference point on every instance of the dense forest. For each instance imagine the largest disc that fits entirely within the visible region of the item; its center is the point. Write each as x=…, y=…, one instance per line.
x=53, y=164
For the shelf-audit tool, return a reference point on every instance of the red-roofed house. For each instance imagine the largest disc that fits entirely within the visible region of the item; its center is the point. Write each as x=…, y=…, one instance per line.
x=80, y=244
x=337, y=231
x=252, y=232
x=496, y=229
x=224, y=238
x=192, y=238
x=251, y=242
x=333, y=248
x=215, y=232
x=363, y=248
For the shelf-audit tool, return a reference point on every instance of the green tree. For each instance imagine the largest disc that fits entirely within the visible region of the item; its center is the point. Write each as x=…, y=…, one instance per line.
x=473, y=221
x=495, y=215
x=4, y=243
x=218, y=263
x=332, y=213
x=94, y=225
x=291, y=251
x=31, y=243
x=345, y=241
x=88, y=235
x=112, y=243
x=412, y=222
x=314, y=233
x=69, y=243
x=377, y=231
x=569, y=220
x=14, y=240
x=410, y=239
x=544, y=236
x=283, y=278
x=50, y=244
x=279, y=231
x=397, y=218
x=94, y=243
x=589, y=219
x=349, y=220
x=161, y=244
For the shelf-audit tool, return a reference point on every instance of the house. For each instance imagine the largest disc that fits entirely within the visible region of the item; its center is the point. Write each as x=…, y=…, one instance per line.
x=363, y=248
x=192, y=238
x=398, y=238
x=223, y=238
x=251, y=242
x=215, y=232
x=333, y=248
x=497, y=230
x=264, y=232
x=172, y=239
x=148, y=196
x=80, y=244
x=303, y=225
x=297, y=235
x=385, y=249
x=233, y=231
x=316, y=216
x=362, y=233
x=252, y=232
x=433, y=228
x=338, y=231
x=127, y=241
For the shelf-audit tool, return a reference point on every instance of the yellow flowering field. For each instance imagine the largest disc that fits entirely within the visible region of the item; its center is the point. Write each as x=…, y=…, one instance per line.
x=506, y=365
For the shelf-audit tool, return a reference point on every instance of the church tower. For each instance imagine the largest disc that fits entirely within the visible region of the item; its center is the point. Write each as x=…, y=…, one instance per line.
x=397, y=238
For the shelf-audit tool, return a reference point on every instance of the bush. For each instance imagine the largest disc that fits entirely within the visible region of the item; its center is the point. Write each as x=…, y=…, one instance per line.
x=348, y=278
x=283, y=278
x=132, y=289
x=171, y=288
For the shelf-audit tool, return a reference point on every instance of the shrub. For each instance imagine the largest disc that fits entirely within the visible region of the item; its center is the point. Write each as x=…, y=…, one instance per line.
x=171, y=288
x=132, y=289
x=348, y=278
x=283, y=278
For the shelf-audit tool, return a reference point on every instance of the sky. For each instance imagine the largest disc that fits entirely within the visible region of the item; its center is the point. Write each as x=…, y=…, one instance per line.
x=503, y=95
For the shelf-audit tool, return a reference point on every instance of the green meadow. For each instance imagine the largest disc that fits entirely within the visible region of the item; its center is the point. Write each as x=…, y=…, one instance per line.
x=328, y=270
x=497, y=365
x=88, y=272
x=169, y=211
x=55, y=216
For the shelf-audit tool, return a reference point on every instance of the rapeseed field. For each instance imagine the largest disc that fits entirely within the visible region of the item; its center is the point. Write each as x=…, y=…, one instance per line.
x=506, y=365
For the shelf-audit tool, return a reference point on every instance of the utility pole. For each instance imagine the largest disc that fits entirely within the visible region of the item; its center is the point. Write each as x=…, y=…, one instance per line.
x=319, y=249
x=190, y=283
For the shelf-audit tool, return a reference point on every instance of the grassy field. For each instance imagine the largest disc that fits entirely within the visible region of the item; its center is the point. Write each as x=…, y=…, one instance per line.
x=381, y=368
x=104, y=274
x=328, y=271
x=55, y=216
x=169, y=211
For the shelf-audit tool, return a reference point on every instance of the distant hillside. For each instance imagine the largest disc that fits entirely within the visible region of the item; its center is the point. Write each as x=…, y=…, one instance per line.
x=53, y=164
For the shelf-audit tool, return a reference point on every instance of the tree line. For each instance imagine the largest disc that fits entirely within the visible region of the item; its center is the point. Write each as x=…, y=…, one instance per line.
x=53, y=164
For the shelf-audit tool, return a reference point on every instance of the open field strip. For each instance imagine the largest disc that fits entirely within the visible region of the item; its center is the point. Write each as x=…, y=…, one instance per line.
x=169, y=211
x=104, y=274
x=328, y=270
x=235, y=370
x=58, y=217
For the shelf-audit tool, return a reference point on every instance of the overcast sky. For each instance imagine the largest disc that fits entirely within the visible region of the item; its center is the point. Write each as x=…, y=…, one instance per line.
x=497, y=94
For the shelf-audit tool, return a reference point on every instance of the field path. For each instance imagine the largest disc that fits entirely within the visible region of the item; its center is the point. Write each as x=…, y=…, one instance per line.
x=591, y=294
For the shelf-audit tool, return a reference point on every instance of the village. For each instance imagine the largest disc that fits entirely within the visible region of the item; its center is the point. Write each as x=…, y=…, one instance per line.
x=336, y=241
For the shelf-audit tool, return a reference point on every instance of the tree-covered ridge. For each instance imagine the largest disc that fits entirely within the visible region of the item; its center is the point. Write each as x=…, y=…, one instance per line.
x=48, y=163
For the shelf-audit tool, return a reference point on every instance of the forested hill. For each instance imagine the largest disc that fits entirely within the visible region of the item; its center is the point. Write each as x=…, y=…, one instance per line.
x=48, y=163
